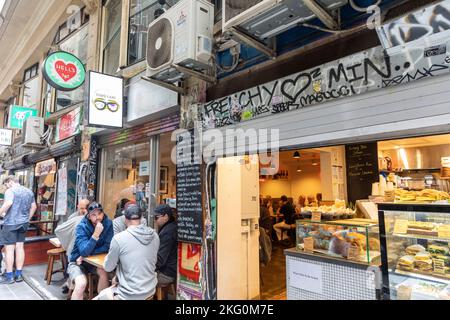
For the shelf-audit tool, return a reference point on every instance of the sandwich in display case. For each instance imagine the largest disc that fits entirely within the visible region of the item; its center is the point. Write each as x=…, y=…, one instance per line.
x=415, y=251
x=353, y=239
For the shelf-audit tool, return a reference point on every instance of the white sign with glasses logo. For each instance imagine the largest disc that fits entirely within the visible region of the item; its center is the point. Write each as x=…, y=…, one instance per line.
x=105, y=101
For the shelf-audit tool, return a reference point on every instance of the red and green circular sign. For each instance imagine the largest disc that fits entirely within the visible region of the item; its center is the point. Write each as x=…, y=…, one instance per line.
x=64, y=71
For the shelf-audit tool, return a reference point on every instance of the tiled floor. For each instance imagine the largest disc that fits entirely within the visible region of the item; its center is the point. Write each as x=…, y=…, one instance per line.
x=18, y=291
x=273, y=286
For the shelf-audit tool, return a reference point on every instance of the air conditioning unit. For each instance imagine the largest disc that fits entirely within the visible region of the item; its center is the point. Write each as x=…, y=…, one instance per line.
x=32, y=131
x=264, y=19
x=182, y=36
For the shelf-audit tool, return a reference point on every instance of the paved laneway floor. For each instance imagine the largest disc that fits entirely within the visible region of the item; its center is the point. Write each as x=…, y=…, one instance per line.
x=18, y=291
x=35, y=277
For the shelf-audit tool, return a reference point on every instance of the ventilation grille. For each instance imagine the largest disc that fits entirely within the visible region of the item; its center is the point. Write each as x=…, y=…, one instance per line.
x=159, y=44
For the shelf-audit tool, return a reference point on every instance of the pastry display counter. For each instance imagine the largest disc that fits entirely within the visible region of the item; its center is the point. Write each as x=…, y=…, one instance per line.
x=415, y=251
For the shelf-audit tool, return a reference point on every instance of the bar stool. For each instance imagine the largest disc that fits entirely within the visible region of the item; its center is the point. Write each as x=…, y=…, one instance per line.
x=52, y=255
x=162, y=290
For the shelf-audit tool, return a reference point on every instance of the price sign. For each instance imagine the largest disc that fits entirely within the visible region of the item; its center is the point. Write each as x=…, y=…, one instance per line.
x=308, y=244
x=404, y=293
x=444, y=231
x=353, y=253
x=401, y=226
x=316, y=216
x=439, y=266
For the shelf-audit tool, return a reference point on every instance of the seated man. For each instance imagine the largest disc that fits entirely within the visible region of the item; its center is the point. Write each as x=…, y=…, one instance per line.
x=134, y=254
x=93, y=236
x=167, y=254
x=119, y=223
x=288, y=222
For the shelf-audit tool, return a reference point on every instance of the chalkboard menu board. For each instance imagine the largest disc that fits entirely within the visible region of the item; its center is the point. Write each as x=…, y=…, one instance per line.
x=189, y=189
x=362, y=170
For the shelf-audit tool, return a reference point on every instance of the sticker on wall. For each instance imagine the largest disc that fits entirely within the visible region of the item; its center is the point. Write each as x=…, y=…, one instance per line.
x=18, y=115
x=105, y=100
x=64, y=71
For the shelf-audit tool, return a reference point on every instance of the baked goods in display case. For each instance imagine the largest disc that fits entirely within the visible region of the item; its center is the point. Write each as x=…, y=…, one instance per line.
x=416, y=239
x=423, y=196
x=354, y=239
x=338, y=211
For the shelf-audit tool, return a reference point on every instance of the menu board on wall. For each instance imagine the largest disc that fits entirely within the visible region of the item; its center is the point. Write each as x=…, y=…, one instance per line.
x=362, y=170
x=189, y=190
x=61, y=193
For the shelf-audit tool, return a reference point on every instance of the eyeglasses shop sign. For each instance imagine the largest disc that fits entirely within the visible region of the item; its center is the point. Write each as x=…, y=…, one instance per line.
x=5, y=137
x=105, y=101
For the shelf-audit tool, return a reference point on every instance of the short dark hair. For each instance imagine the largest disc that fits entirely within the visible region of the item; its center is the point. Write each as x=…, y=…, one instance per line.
x=284, y=198
x=132, y=212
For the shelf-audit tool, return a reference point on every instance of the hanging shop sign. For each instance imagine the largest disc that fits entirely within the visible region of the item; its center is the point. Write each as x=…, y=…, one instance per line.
x=45, y=167
x=105, y=101
x=18, y=115
x=356, y=74
x=61, y=193
x=64, y=71
x=68, y=125
x=5, y=137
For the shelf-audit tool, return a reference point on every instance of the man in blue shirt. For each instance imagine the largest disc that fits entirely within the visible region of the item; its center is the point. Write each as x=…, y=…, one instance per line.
x=93, y=236
x=17, y=210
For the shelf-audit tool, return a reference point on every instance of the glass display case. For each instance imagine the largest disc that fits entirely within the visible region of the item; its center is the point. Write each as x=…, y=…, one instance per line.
x=415, y=251
x=353, y=239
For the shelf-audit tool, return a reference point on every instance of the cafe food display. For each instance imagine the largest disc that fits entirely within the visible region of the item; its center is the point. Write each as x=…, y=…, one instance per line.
x=348, y=239
x=418, y=250
x=426, y=195
x=337, y=211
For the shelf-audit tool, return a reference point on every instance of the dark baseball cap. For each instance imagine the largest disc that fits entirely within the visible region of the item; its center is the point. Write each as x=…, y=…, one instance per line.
x=162, y=210
x=132, y=212
x=94, y=206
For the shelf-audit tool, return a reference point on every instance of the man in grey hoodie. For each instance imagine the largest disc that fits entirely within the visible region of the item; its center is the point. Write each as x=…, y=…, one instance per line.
x=134, y=253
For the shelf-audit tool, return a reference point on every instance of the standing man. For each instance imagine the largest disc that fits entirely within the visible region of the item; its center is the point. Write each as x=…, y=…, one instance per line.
x=93, y=236
x=167, y=254
x=17, y=210
x=134, y=253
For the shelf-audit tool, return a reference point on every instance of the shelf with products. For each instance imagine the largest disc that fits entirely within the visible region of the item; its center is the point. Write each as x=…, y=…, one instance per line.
x=415, y=241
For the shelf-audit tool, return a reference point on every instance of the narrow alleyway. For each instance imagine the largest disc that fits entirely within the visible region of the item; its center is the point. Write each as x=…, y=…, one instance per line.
x=18, y=291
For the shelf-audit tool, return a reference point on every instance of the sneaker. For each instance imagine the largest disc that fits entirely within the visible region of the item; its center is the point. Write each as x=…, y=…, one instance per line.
x=18, y=278
x=4, y=280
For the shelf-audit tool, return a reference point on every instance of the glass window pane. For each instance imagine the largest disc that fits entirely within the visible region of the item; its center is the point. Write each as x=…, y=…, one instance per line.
x=126, y=176
x=113, y=18
x=111, y=55
x=30, y=93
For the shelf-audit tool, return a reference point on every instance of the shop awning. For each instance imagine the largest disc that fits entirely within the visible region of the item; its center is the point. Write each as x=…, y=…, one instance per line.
x=15, y=164
x=57, y=150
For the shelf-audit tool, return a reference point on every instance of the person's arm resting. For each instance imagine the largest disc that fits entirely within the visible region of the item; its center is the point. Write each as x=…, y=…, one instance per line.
x=112, y=258
x=32, y=210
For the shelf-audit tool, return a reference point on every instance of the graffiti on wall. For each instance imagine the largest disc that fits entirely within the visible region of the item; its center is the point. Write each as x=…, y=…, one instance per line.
x=356, y=74
x=417, y=25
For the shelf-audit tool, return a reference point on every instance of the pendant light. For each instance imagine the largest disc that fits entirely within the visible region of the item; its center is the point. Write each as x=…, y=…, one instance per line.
x=296, y=155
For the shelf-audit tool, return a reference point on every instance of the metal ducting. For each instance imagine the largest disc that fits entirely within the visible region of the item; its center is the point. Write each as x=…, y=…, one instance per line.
x=57, y=150
x=17, y=163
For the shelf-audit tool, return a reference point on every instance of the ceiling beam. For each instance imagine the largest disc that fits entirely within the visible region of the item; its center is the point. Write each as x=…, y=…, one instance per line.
x=322, y=14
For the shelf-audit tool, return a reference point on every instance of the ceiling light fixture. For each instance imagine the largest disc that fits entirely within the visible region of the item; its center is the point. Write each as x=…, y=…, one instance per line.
x=296, y=155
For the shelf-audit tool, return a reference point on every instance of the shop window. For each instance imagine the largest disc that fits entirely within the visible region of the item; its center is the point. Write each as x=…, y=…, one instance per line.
x=142, y=13
x=71, y=26
x=77, y=45
x=47, y=100
x=126, y=177
x=111, y=49
x=167, y=171
x=31, y=87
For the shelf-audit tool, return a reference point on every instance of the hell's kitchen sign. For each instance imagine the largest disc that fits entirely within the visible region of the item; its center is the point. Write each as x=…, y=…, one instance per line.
x=64, y=71
x=68, y=125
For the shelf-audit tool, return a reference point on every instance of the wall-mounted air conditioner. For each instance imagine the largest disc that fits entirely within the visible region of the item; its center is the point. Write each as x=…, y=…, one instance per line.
x=264, y=19
x=33, y=130
x=182, y=36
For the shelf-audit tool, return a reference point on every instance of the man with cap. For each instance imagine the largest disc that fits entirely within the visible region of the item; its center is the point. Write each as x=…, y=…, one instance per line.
x=119, y=223
x=133, y=253
x=167, y=254
x=93, y=236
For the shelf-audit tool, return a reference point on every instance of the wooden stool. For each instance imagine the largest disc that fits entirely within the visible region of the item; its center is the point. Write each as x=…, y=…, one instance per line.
x=161, y=290
x=52, y=254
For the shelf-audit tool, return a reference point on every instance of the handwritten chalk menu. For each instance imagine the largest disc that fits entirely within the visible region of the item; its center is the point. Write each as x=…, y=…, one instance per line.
x=189, y=190
x=362, y=170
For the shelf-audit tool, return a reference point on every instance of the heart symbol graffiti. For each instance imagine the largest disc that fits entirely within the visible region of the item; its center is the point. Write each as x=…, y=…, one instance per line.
x=293, y=82
x=65, y=71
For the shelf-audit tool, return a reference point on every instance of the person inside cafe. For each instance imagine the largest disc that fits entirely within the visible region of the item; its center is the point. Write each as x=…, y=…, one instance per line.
x=65, y=232
x=288, y=218
x=319, y=199
x=312, y=201
x=133, y=254
x=120, y=208
x=300, y=204
x=119, y=223
x=265, y=220
x=167, y=253
x=93, y=236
